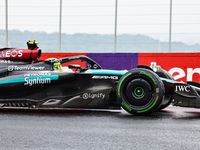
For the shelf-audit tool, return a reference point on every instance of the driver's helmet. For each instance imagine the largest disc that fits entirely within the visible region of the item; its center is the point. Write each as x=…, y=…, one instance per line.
x=57, y=65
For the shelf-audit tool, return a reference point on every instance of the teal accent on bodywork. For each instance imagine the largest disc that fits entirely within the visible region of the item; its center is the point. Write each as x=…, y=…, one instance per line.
x=168, y=80
x=107, y=72
x=18, y=80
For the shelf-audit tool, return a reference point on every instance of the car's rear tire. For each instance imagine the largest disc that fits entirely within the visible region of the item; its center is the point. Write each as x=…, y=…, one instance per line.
x=140, y=91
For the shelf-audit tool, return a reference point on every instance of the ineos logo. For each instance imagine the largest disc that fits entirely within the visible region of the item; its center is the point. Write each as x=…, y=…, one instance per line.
x=11, y=53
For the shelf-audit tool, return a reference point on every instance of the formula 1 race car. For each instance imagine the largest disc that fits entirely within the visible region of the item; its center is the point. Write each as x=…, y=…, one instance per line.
x=27, y=82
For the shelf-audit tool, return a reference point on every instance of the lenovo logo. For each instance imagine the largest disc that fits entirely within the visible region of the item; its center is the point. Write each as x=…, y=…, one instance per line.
x=182, y=74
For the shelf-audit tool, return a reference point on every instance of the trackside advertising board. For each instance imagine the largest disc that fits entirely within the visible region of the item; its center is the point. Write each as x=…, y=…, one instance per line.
x=115, y=61
x=183, y=66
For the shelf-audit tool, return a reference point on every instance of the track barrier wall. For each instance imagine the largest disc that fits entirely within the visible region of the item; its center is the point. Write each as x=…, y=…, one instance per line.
x=183, y=66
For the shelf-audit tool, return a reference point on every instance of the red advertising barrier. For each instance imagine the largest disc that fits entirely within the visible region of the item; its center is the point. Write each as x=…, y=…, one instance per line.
x=183, y=66
x=45, y=56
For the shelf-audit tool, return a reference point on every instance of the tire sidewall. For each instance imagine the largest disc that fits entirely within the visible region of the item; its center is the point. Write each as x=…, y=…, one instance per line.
x=157, y=91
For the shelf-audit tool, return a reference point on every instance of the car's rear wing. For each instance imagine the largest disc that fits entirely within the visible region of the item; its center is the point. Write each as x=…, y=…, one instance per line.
x=33, y=53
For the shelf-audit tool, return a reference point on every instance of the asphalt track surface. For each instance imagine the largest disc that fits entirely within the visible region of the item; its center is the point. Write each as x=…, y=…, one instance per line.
x=174, y=128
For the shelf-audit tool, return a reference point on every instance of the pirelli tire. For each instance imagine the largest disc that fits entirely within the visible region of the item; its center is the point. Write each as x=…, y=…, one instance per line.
x=140, y=91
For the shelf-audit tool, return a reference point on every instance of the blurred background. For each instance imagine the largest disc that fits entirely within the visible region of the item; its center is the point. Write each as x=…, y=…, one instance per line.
x=102, y=26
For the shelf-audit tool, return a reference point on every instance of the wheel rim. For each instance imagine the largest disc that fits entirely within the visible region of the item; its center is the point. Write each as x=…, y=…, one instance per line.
x=138, y=92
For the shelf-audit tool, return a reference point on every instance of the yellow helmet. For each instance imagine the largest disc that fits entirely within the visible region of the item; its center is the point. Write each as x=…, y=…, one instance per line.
x=58, y=66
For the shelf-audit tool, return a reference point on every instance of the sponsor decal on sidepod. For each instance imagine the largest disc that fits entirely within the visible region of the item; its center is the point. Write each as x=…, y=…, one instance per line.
x=32, y=80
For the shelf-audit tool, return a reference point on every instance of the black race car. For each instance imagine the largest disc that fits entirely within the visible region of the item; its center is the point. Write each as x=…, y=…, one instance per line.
x=27, y=82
